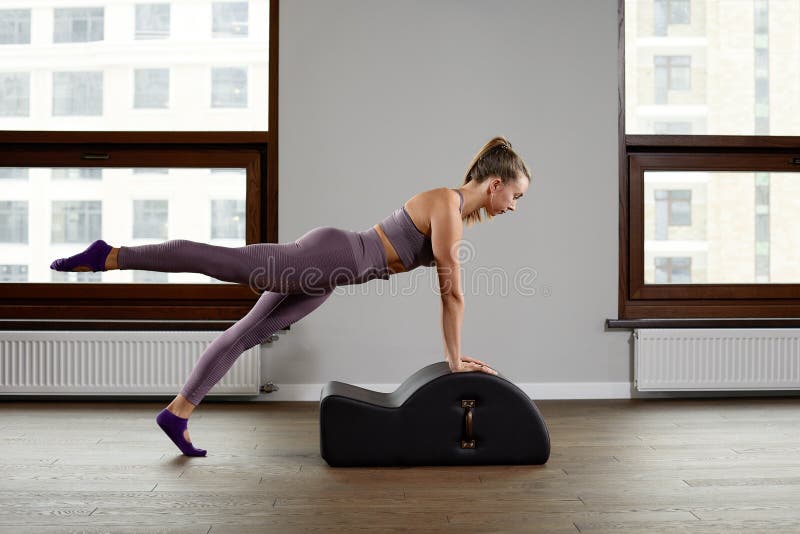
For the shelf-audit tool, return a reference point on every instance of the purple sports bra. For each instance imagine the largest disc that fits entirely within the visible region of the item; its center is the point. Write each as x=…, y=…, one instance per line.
x=414, y=248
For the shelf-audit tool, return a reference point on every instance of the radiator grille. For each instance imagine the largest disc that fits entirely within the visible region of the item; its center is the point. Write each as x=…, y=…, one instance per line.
x=122, y=362
x=716, y=359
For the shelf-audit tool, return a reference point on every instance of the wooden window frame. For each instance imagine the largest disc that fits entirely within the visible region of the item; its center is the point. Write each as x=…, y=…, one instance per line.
x=692, y=305
x=140, y=306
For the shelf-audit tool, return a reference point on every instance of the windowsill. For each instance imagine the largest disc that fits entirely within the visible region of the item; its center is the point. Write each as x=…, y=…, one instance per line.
x=734, y=322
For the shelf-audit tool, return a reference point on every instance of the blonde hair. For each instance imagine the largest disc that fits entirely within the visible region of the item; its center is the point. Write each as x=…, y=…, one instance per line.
x=495, y=158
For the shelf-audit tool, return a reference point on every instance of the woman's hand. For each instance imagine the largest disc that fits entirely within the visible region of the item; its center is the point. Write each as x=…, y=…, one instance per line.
x=469, y=365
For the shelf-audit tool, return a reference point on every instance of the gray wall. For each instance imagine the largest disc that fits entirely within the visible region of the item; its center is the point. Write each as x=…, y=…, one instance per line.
x=381, y=99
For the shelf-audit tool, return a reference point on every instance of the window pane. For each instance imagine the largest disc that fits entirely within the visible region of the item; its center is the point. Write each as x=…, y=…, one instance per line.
x=78, y=25
x=738, y=75
x=229, y=88
x=112, y=66
x=13, y=221
x=15, y=26
x=152, y=21
x=227, y=218
x=152, y=88
x=13, y=273
x=15, y=88
x=52, y=213
x=77, y=93
x=229, y=19
x=729, y=227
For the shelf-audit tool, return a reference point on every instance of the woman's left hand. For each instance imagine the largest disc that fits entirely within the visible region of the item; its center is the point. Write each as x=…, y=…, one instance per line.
x=474, y=360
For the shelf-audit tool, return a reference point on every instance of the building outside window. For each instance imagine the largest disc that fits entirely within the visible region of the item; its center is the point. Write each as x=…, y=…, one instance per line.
x=15, y=26
x=13, y=221
x=152, y=21
x=78, y=24
x=228, y=87
x=77, y=93
x=151, y=88
x=150, y=219
x=227, y=219
x=229, y=19
x=76, y=221
x=15, y=88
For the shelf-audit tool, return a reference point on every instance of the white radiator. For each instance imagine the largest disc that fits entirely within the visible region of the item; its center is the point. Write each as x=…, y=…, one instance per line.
x=119, y=362
x=668, y=359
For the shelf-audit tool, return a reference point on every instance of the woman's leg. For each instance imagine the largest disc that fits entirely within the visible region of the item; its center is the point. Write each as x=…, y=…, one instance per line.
x=270, y=313
x=323, y=257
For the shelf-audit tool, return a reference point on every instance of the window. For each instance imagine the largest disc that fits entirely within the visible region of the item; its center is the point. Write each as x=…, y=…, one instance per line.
x=13, y=273
x=672, y=73
x=72, y=173
x=13, y=221
x=152, y=21
x=710, y=175
x=152, y=88
x=13, y=173
x=228, y=87
x=227, y=219
x=93, y=142
x=676, y=270
x=77, y=93
x=672, y=128
x=75, y=276
x=15, y=94
x=674, y=207
x=150, y=277
x=150, y=219
x=15, y=26
x=229, y=19
x=150, y=170
x=670, y=12
x=76, y=221
x=78, y=24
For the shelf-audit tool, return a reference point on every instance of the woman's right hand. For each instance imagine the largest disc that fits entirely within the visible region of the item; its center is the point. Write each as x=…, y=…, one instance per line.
x=467, y=364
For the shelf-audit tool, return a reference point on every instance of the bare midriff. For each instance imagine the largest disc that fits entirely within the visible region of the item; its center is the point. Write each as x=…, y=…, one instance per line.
x=393, y=262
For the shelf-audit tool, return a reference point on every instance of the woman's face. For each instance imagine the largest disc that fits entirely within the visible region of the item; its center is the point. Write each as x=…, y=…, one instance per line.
x=503, y=197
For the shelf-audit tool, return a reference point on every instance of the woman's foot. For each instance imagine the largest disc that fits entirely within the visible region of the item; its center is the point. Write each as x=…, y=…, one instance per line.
x=99, y=256
x=176, y=429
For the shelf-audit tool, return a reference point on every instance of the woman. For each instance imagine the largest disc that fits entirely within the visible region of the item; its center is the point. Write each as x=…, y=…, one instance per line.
x=299, y=276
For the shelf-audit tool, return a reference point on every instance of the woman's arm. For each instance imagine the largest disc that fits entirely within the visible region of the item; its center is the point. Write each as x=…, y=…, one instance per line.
x=446, y=232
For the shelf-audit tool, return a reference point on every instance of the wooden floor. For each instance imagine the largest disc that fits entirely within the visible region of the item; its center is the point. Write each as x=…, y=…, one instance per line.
x=664, y=465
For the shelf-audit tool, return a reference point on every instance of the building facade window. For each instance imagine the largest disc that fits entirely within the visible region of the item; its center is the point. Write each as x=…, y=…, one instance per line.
x=75, y=173
x=76, y=221
x=78, y=93
x=150, y=219
x=152, y=21
x=15, y=26
x=150, y=277
x=227, y=219
x=666, y=12
x=229, y=19
x=672, y=73
x=676, y=270
x=672, y=128
x=228, y=87
x=13, y=273
x=15, y=88
x=151, y=88
x=13, y=173
x=78, y=24
x=13, y=221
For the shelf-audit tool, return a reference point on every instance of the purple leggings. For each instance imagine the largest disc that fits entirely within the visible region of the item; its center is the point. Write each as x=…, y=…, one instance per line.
x=296, y=277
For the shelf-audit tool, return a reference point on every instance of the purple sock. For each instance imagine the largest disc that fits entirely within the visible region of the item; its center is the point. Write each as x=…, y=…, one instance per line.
x=93, y=257
x=174, y=426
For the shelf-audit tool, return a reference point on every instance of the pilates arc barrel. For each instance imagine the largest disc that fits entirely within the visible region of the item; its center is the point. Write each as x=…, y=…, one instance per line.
x=435, y=417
